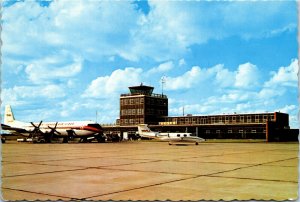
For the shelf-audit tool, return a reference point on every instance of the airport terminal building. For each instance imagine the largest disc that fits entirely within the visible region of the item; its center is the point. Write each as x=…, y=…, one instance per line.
x=142, y=106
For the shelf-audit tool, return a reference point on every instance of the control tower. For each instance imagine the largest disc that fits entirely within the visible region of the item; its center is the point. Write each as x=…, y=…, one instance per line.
x=141, y=105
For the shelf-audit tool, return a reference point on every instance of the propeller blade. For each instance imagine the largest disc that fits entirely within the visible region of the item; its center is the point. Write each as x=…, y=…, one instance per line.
x=33, y=124
x=37, y=127
x=53, y=130
x=40, y=124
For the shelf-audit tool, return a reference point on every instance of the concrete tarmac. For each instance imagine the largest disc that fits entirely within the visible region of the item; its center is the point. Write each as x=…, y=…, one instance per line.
x=150, y=171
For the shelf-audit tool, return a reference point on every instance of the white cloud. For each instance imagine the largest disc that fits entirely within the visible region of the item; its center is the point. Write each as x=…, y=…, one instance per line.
x=118, y=81
x=287, y=109
x=83, y=27
x=48, y=69
x=268, y=93
x=229, y=90
x=224, y=77
x=247, y=76
x=197, y=22
x=187, y=80
x=181, y=62
x=281, y=82
x=285, y=76
x=52, y=91
x=80, y=27
x=164, y=67
x=32, y=92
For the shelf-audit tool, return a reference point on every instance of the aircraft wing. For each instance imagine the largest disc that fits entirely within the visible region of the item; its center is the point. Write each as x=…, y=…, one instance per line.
x=14, y=130
x=193, y=139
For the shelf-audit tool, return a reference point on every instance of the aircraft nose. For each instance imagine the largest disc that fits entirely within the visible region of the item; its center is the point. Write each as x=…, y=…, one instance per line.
x=90, y=128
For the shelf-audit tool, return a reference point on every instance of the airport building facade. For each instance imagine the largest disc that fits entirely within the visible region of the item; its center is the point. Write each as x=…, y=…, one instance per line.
x=142, y=106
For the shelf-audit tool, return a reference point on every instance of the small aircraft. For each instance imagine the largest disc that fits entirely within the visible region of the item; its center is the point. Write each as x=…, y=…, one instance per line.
x=45, y=131
x=144, y=131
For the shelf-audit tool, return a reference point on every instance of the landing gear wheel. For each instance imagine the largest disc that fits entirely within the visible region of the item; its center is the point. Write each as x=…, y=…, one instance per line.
x=42, y=141
x=196, y=143
x=170, y=143
x=65, y=140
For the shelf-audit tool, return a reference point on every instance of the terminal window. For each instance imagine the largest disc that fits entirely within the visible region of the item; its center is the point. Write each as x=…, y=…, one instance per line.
x=233, y=119
x=242, y=119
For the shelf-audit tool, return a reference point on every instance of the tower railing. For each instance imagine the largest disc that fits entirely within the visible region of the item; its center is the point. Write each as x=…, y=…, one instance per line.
x=152, y=95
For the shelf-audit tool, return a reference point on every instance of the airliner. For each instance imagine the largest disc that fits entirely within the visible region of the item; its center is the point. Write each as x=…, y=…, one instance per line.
x=144, y=131
x=44, y=131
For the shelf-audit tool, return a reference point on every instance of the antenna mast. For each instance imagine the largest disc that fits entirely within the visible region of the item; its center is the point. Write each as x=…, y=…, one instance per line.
x=163, y=81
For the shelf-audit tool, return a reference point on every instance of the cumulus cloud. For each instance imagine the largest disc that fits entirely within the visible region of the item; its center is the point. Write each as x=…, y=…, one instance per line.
x=52, y=44
x=288, y=108
x=164, y=67
x=223, y=76
x=238, y=90
x=83, y=27
x=197, y=22
x=247, y=76
x=285, y=76
x=283, y=81
x=118, y=81
x=52, y=67
x=187, y=80
x=32, y=92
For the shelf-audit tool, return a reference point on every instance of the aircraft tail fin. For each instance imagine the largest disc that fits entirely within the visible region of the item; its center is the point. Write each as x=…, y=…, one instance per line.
x=8, y=115
x=142, y=128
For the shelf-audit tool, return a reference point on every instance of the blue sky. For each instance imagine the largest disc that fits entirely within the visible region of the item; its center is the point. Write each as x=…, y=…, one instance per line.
x=65, y=60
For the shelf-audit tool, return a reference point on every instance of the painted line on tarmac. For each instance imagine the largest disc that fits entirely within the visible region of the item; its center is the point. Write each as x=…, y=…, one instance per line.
x=248, y=178
x=192, y=177
x=41, y=173
x=45, y=194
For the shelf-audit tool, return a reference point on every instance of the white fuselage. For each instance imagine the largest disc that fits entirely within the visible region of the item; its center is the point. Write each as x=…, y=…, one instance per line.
x=144, y=131
x=80, y=128
x=179, y=137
